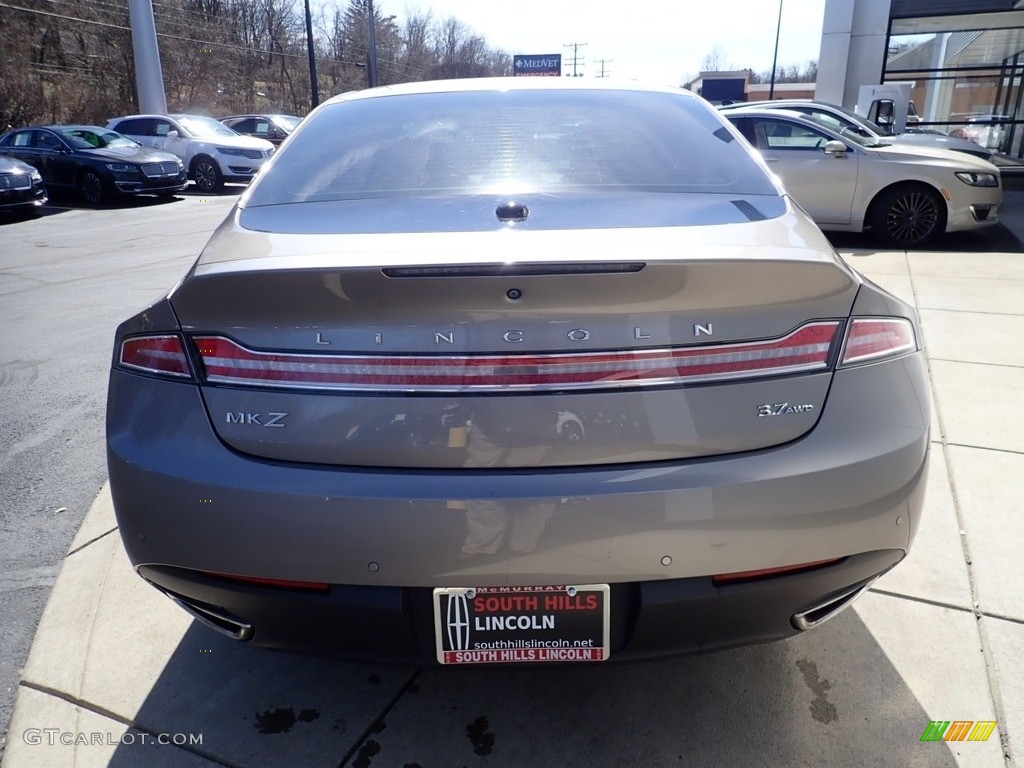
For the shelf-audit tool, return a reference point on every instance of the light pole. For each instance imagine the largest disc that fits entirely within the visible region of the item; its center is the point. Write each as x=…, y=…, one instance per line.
x=775, y=58
x=314, y=90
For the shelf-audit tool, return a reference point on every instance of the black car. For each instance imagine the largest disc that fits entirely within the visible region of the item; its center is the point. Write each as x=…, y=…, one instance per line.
x=273, y=128
x=21, y=187
x=98, y=163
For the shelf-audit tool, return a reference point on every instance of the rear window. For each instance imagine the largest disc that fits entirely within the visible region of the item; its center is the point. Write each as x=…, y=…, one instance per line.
x=510, y=142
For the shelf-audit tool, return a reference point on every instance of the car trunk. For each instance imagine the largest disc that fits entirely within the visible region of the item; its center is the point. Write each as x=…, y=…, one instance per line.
x=604, y=353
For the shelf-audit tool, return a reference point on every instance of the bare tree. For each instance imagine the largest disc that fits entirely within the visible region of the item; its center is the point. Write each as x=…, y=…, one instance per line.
x=217, y=56
x=807, y=73
x=714, y=60
x=459, y=52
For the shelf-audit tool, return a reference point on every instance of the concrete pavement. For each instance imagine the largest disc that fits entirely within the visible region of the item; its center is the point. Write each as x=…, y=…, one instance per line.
x=118, y=676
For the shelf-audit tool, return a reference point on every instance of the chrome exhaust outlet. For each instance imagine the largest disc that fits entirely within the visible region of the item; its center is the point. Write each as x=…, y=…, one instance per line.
x=219, y=622
x=825, y=610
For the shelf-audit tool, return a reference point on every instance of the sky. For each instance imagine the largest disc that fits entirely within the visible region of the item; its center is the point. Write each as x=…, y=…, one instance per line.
x=664, y=41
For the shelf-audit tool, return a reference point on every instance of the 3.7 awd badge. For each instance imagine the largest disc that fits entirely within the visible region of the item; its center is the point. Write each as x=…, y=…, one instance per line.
x=781, y=409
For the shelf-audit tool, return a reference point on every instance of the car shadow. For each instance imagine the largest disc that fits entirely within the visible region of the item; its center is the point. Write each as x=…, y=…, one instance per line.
x=64, y=202
x=829, y=697
x=11, y=217
x=995, y=239
x=227, y=190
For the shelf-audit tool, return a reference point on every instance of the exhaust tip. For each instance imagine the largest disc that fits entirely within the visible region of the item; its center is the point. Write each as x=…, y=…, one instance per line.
x=219, y=621
x=821, y=612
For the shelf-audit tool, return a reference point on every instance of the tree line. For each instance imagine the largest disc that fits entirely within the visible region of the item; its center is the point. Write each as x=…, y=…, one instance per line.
x=715, y=61
x=71, y=60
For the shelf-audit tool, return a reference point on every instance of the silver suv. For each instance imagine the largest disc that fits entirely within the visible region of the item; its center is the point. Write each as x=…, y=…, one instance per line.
x=212, y=152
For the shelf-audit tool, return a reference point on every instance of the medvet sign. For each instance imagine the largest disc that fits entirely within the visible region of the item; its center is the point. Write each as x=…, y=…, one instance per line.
x=533, y=65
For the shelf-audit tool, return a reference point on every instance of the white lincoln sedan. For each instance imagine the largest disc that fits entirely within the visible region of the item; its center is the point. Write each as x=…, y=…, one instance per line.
x=905, y=195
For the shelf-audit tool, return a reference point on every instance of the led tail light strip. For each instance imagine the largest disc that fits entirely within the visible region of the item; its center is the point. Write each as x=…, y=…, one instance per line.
x=158, y=354
x=806, y=349
x=873, y=338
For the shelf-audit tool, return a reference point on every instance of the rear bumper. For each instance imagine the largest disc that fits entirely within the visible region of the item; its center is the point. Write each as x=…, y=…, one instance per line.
x=851, y=488
x=648, y=619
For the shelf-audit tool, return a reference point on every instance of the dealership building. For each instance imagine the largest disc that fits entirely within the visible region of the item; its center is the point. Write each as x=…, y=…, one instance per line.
x=962, y=60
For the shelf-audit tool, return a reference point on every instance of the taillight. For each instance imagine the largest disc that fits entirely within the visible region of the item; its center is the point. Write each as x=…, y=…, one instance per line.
x=763, y=573
x=874, y=338
x=806, y=349
x=302, y=586
x=163, y=355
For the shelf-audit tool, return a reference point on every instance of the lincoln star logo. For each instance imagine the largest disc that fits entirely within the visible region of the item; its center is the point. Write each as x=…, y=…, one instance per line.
x=458, y=622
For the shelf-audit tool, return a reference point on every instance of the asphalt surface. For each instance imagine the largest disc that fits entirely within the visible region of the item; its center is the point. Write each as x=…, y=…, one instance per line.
x=68, y=279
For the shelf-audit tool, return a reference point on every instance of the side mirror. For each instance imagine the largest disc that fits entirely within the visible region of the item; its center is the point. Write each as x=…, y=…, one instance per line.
x=835, y=148
x=172, y=134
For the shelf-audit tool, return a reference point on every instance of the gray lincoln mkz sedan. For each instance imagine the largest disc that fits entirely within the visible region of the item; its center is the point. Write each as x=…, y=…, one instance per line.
x=517, y=370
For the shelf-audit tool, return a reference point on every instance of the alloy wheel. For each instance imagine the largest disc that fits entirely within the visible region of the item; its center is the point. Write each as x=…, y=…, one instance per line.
x=207, y=176
x=912, y=217
x=91, y=187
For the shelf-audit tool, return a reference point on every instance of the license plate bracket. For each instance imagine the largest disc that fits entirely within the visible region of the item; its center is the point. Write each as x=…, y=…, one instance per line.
x=507, y=625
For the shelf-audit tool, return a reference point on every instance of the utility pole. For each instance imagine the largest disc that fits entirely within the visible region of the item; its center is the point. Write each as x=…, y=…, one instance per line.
x=371, y=55
x=602, y=62
x=314, y=90
x=576, y=60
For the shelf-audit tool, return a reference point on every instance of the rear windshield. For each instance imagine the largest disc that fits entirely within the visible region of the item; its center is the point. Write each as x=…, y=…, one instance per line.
x=510, y=142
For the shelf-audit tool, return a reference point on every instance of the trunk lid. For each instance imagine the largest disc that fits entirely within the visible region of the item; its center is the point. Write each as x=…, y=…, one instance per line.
x=515, y=348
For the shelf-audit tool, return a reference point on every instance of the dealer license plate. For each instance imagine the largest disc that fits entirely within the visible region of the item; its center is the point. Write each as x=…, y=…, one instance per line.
x=505, y=625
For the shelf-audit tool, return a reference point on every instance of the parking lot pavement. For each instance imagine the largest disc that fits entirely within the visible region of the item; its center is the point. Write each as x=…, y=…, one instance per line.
x=115, y=668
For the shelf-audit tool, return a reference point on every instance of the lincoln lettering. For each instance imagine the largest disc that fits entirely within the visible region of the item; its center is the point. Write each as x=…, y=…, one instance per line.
x=518, y=335
x=493, y=623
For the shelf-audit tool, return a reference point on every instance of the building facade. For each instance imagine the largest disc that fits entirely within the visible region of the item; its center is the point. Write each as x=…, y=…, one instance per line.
x=964, y=61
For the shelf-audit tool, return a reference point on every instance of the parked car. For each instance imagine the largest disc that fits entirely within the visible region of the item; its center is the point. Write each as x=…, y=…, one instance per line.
x=97, y=163
x=986, y=131
x=273, y=128
x=905, y=195
x=212, y=152
x=506, y=370
x=837, y=118
x=21, y=188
